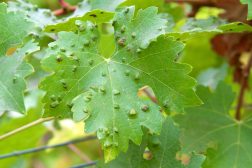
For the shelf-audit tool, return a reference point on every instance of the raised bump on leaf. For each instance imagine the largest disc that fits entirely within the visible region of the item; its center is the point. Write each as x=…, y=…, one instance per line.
x=132, y=112
x=144, y=108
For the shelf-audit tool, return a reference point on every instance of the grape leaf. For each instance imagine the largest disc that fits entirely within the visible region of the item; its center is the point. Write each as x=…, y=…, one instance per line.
x=142, y=4
x=97, y=11
x=194, y=28
x=13, y=28
x=170, y=12
x=40, y=17
x=105, y=89
x=163, y=149
x=173, y=10
x=196, y=161
x=211, y=23
x=228, y=139
x=96, y=16
x=106, y=5
x=249, y=2
x=204, y=30
x=235, y=27
x=13, y=71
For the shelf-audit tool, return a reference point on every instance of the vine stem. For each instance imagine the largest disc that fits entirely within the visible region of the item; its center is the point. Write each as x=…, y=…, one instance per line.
x=244, y=85
x=20, y=129
x=63, y=4
x=65, y=8
x=38, y=149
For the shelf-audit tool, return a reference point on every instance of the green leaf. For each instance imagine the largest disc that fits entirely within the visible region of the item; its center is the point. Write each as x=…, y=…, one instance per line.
x=211, y=126
x=235, y=27
x=13, y=71
x=107, y=5
x=142, y=4
x=196, y=161
x=174, y=11
x=97, y=11
x=203, y=30
x=40, y=17
x=13, y=28
x=194, y=28
x=96, y=16
x=105, y=89
x=169, y=11
x=249, y=2
x=163, y=150
x=165, y=147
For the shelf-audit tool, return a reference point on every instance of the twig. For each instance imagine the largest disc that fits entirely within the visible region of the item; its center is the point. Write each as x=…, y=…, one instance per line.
x=76, y=150
x=85, y=165
x=245, y=106
x=32, y=150
x=63, y=4
x=65, y=8
x=244, y=85
x=36, y=122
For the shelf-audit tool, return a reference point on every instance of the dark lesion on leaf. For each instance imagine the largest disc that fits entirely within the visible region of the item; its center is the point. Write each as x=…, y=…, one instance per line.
x=93, y=15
